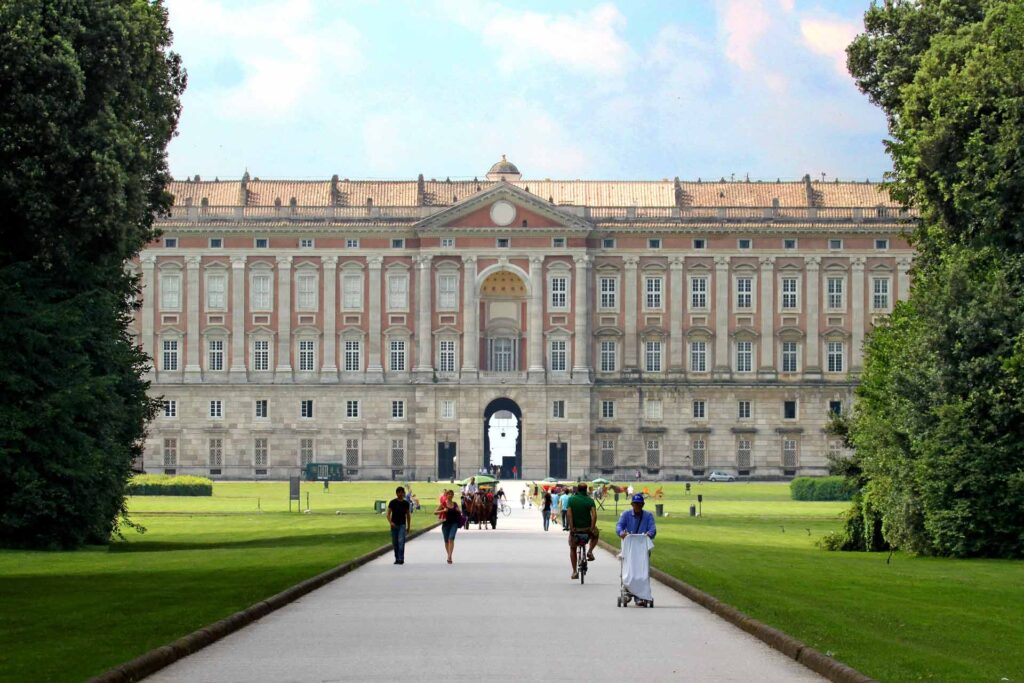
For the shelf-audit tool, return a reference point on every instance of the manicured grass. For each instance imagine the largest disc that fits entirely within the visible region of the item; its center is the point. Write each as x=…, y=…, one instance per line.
x=911, y=619
x=70, y=615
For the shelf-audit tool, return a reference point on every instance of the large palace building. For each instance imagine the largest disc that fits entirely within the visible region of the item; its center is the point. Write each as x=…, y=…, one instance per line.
x=671, y=327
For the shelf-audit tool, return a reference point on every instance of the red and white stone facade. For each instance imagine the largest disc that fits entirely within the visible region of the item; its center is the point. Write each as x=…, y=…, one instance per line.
x=670, y=327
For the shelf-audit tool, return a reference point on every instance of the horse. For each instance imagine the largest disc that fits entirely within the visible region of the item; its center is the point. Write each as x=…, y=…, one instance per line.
x=480, y=509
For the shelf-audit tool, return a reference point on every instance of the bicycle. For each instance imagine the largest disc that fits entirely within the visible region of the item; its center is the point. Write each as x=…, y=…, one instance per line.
x=504, y=508
x=582, y=539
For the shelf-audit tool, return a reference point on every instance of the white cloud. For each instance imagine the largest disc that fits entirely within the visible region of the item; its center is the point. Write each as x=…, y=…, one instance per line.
x=744, y=22
x=829, y=37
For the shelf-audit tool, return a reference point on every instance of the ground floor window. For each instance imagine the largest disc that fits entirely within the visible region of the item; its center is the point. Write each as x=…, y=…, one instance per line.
x=607, y=452
x=789, y=453
x=260, y=452
x=653, y=453
x=216, y=452
x=743, y=454
x=170, y=452
x=306, y=452
x=698, y=453
x=398, y=452
x=352, y=452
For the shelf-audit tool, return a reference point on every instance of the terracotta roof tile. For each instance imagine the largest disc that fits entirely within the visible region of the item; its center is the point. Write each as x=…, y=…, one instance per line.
x=216, y=192
x=744, y=194
x=852, y=194
x=382, y=192
x=305, y=192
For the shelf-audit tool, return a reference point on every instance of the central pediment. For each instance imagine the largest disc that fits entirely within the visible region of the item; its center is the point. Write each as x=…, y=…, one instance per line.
x=504, y=207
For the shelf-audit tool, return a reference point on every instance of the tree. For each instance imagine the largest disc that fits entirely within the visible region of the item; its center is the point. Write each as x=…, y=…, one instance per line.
x=89, y=99
x=939, y=419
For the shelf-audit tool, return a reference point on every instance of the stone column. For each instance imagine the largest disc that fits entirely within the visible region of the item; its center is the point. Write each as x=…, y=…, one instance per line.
x=374, y=369
x=236, y=375
x=676, y=314
x=723, y=366
x=148, y=311
x=583, y=347
x=857, y=303
x=283, y=371
x=329, y=364
x=193, y=369
x=536, y=331
x=629, y=275
x=767, y=365
x=812, y=366
x=903, y=278
x=470, y=324
x=424, y=354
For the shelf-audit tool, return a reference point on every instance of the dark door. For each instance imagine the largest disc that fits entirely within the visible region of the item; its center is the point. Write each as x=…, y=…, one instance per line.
x=445, y=460
x=558, y=460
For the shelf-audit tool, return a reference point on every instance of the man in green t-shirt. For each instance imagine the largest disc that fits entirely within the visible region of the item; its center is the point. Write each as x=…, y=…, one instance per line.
x=582, y=518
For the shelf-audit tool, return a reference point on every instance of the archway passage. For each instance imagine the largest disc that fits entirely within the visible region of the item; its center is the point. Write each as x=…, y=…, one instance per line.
x=507, y=455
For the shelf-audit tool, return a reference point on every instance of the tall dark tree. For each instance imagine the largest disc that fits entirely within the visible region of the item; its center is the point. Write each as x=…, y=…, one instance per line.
x=89, y=99
x=939, y=423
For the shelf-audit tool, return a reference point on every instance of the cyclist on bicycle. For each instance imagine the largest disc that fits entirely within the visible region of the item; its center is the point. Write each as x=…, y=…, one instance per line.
x=582, y=518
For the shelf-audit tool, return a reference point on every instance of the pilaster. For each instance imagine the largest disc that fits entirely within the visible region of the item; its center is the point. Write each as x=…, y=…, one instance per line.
x=722, y=367
x=812, y=366
x=193, y=369
x=148, y=311
x=329, y=366
x=903, y=264
x=424, y=354
x=582, y=347
x=536, y=324
x=283, y=371
x=676, y=314
x=236, y=374
x=629, y=275
x=767, y=366
x=470, y=324
x=374, y=369
x=857, y=303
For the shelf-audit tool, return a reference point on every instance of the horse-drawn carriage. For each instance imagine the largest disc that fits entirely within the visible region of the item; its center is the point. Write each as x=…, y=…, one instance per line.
x=481, y=507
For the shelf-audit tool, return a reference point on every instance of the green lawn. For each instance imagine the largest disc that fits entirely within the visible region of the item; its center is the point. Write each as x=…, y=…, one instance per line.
x=912, y=619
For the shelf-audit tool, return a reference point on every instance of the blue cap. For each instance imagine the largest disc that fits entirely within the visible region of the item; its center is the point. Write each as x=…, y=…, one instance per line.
x=638, y=498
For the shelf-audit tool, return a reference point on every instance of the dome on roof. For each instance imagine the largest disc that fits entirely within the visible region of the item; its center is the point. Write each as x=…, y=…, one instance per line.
x=503, y=170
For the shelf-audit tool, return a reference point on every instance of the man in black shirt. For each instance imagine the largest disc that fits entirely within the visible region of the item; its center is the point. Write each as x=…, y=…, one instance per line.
x=400, y=519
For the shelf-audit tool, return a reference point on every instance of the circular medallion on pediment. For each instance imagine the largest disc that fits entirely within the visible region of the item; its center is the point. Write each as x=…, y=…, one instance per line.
x=503, y=213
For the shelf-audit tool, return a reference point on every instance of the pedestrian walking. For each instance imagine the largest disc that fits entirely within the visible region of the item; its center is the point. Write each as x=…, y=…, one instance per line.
x=563, y=507
x=522, y=499
x=400, y=519
x=546, y=510
x=451, y=517
x=515, y=471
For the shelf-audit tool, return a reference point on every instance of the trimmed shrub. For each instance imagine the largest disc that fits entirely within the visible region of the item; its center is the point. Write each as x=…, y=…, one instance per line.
x=165, y=485
x=821, y=488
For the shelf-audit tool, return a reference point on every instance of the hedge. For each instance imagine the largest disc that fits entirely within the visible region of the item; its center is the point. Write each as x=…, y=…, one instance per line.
x=165, y=485
x=821, y=488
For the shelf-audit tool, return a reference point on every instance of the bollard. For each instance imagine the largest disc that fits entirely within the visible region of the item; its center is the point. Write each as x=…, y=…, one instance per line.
x=693, y=510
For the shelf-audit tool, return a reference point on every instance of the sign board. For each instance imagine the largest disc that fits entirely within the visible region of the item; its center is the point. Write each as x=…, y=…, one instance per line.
x=293, y=488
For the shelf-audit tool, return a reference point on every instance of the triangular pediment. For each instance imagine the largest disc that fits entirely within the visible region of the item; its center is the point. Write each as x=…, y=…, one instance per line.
x=478, y=212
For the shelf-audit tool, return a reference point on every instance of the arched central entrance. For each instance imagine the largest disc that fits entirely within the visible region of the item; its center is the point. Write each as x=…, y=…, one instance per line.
x=503, y=449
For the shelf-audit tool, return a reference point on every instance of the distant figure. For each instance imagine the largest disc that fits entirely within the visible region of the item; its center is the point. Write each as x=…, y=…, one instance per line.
x=546, y=510
x=638, y=475
x=515, y=472
x=563, y=507
x=400, y=519
x=522, y=499
x=327, y=485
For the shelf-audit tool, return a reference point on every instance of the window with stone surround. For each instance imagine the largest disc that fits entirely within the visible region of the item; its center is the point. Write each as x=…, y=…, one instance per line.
x=398, y=409
x=170, y=452
x=447, y=242
x=558, y=409
x=306, y=451
x=698, y=356
x=789, y=409
x=744, y=292
x=558, y=286
x=353, y=355
x=789, y=357
x=216, y=452
x=352, y=452
x=743, y=410
x=260, y=452
x=398, y=292
x=306, y=409
x=789, y=453
x=653, y=410
x=607, y=410
x=698, y=454
x=216, y=408
x=170, y=408
x=352, y=291
x=743, y=450
x=446, y=355
x=306, y=288
x=880, y=293
x=653, y=287
x=744, y=356
x=215, y=355
x=653, y=453
x=652, y=356
x=609, y=355
x=352, y=409
x=607, y=452
x=170, y=354
x=398, y=452
x=261, y=355
x=700, y=409
x=447, y=409
x=307, y=355
x=170, y=292
x=352, y=243
x=699, y=292
x=262, y=409
x=397, y=355
x=448, y=291
x=836, y=351
x=216, y=291
x=609, y=287
x=790, y=300
x=835, y=294
x=557, y=354
x=262, y=298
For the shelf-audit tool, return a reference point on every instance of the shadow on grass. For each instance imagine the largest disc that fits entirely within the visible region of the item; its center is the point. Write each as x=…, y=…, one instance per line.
x=289, y=541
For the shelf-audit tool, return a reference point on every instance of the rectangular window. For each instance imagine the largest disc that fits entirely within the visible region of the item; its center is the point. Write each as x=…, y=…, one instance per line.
x=835, y=449
x=789, y=244
x=352, y=291
x=698, y=292
x=216, y=292
x=653, y=453
x=881, y=244
x=352, y=243
x=307, y=356
x=835, y=356
x=398, y=452
x=558, y=355
x=558, y=242
x=700, y=410
x=446, y=356
x=260, y=452
x=171, y=242
x=261, y=355
x=170, y=354
x=353, y=355
x=608, y=410
x=261, y=243
x=608, y=286
x=880, y=294
x=789, y=410
x=609, y=353
x=447, y=242
x=789, y=452
x=743, y=243
x=652, y=356
x=698, y=356
x=835, y=293
x=352, y=409
x=398, y=292
x=608, y=243
x=607, y=452
x=502, y=243
x=170, y=292
x=170, y=452
x=789, y=298
x=447, y=409
x=262, y=411
x=352, y=452
x=503, y=356
x=835, y=244
x=700, y=243
x=216, y=408
x=698, y=454
x=261, y=295
x=305, y=451
x=216, y=243
x=558, y=409
x=743, y=410
x=835, y=407
x=170, y=408
x=306, y=243
x=216, y=452
x=744, y=292
x=398, y=243
x=306, y=409
x=307, y=294
x=398, y=410
x=743, y=454
x=654, y=243
x=653, y=290
x=397, y=355
x=744, y=356
x=558, y=293
x=789, y=357
x=448, y=291
x=653, y=410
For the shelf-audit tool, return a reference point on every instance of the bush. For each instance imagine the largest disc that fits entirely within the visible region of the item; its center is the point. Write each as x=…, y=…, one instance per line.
x=821, y=488
x=164, y=485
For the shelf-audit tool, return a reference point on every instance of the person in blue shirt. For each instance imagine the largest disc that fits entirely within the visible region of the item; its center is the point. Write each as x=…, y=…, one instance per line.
x=637, y=520
x=563, y=505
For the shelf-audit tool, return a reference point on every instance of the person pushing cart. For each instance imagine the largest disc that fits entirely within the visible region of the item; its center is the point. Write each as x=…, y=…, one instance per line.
x=636, y=528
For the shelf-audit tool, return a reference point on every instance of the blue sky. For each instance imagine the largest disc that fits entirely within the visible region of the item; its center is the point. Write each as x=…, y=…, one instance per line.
x=594, y=90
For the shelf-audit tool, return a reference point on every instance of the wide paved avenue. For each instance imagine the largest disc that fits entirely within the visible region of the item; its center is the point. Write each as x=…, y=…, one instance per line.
x=505, y=610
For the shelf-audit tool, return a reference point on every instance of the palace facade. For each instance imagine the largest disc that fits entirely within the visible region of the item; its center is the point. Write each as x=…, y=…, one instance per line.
x=672, y=327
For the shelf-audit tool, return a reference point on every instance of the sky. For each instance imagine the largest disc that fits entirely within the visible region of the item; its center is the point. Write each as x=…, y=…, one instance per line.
x=627, y=89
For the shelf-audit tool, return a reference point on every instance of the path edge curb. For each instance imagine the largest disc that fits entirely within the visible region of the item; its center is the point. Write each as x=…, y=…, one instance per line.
x=150, y=662
x=814, y=660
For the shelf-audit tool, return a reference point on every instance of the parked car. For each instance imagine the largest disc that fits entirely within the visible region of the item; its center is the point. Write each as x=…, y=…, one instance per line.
x=719, y=475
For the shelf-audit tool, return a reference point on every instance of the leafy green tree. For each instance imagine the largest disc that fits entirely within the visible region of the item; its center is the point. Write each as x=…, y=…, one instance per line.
x=89, y=99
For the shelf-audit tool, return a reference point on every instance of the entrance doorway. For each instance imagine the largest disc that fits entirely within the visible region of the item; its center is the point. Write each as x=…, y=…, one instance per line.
x=446, y=460
x=558, y=460
x=503, y=438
